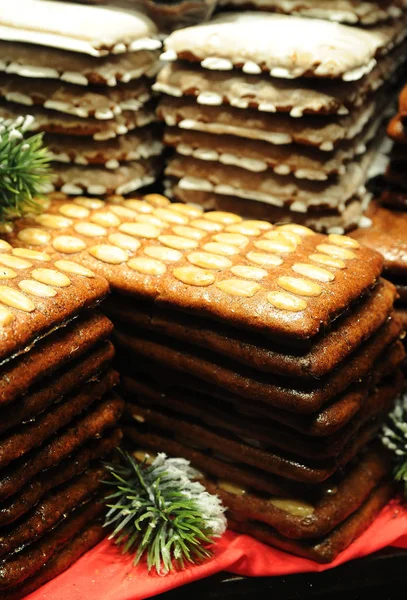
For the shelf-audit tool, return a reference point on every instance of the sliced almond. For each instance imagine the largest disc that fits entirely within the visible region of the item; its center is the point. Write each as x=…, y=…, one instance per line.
x=194, y=276
x=299, y=286
x=15, y=299
x=313, y=272
x=238, y=287
x=109, y=254
x=51, y=277
x=147, y=266
x=284, y=301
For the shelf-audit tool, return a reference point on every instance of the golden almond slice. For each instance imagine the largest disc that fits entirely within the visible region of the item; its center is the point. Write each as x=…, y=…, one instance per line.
x=249, y=272
x=194, y=276
x=105, y=219
x=139, y=206
x=74, y=211
x=288, y=236
x=50, y=277
x=343, y=240
x=109, y=254
x=297, y=285
x=234, y=239
x=262, y=225
x=297, y=508
x=163, y=253
x=15, y=299
x=53, y=221
x=222, y=249
x=152, y=220
x=68, y=244
x=177, y=242
x=14, y=262
x=295, y=228
x=90, y=229
x=31, y=254
x=7, y=273
x=35, y=288
x=188, y=232
x=206, y=260
x=189, y=210
x=34, y=236
x=231, y=488
x=284, y=301
x=123, y=212
x=208, y=226
x=4, y=246
x=157, y=200
x=124, y=241
x=147, y=266
x=238, y=287
x=91, y=203
x=142, y=230
x=313, y=272
x=6, y=316
x=336, y=251
x=225, y=218
x=244, y=229
x=69, y=266
x=264, y=259
x=170, y=216
x=278, y=246
x=328, y=261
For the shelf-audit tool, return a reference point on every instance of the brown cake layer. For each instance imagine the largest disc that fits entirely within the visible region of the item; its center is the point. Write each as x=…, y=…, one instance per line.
x=104, y=70
x=51, y=510
x=35, y=432
x=249, y=384
x=237, y=450
x=30, y=560
x=15, y=506
x=53, y=352
x=57, y=386
x=72, y=550
x=105, y=415
x=327, y=549
x=317, y=218
x=257, y=430
x=347, y=333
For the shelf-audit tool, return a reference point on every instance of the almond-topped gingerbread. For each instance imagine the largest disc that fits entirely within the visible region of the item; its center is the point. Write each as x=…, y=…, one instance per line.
x=213, y=264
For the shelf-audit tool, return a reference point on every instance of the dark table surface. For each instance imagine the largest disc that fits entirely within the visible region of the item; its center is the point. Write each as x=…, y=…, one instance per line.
x=381, y=576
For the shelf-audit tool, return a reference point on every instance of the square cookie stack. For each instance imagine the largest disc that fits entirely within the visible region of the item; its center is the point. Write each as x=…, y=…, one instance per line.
x=85, y=74
x=277, y=351
x=59, y=415
x=395, y=194
x=388, y=230
x=277, y=116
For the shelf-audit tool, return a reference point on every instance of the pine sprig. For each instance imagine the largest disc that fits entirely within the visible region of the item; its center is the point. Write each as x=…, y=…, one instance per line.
x=24, y=168
x=394, y=437
x=158, y=510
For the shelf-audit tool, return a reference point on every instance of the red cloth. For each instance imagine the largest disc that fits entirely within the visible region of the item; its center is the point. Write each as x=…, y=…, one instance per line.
x=105, y=574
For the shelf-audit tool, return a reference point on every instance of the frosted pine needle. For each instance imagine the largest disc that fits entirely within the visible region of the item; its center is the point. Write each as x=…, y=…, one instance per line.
x=160, y=511
x=394, y=437
x=24, y=167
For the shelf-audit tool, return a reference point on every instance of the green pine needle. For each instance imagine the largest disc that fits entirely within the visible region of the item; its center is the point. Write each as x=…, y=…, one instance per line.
x=158, y=510
x=394, y=437
x=24, y=168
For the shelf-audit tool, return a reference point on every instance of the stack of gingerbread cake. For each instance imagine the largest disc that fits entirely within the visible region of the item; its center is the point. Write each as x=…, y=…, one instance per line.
x=59, y=415
x=85, y=74
x=388, y=215
x=276, y=116
x=267, y=355
x=351, y=12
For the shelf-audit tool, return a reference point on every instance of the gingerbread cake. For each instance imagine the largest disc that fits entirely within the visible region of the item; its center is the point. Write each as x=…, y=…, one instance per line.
x=277, y=117
x=278, y=351
x=59, y=414
x=89, y=92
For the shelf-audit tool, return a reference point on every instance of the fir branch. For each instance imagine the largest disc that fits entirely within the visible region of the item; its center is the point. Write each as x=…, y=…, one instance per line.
x=24, y=168
x=394, y=437
x=158, y=510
